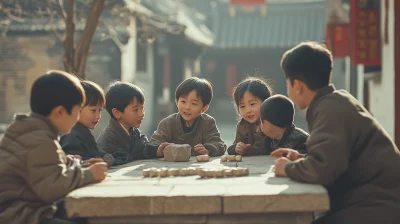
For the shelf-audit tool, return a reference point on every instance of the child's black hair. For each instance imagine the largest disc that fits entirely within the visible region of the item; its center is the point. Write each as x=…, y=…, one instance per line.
x=94, y=94
x=309, y=62
x=120, y=94
x=56, y=88
x=202, y=86
x=253, y=85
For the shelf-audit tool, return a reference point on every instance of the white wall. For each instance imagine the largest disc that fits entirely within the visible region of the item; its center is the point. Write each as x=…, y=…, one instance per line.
x=382, y=91
x=145, y=81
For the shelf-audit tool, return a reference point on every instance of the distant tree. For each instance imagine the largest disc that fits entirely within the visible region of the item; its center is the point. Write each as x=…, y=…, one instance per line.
x=76, y=50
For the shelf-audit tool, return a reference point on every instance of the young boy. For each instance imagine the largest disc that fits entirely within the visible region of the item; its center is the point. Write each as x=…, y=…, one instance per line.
x=81, y=141
x=191, y=125
x=122, y=138
x=277, y=117
x=33, y=169
x=348, y=151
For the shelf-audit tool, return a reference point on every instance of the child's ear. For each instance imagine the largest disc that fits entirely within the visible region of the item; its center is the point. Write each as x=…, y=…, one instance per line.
x=116, y=113
x=205, y=108
x=298, y=86
x=59, y=111
x=176, y=102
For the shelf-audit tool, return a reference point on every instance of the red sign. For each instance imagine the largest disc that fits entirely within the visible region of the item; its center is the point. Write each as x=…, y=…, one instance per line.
x=338, y=39
x=247, y=2
x=365, y=24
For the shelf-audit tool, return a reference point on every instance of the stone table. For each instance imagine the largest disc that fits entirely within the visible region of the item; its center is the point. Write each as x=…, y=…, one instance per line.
x=127, y=197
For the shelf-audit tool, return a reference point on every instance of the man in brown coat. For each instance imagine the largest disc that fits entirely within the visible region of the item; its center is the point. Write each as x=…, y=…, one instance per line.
x=348, y=151
x=34, y=170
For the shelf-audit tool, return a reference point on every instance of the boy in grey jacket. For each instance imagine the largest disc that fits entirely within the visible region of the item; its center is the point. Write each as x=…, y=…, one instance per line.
x=122, y=138
x=191, y=125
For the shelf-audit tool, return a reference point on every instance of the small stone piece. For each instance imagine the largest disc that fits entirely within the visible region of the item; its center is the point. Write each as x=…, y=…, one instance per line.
x=224, y=158
x=236, y=172
x=192, y=171
x=177, y=153
x=173, y=172
x=219, y=173
x=146, y=172
x=183, y=172
x=154, y=172
x=163, y=172
x=231, y=158
x=202, y=173
x=238, y=158
x=244, y=171
x=228, y=172
x=210, y=173
x=203, y=158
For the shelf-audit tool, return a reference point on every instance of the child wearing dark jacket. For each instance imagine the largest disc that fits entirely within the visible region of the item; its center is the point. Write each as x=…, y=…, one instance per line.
x=80, y=140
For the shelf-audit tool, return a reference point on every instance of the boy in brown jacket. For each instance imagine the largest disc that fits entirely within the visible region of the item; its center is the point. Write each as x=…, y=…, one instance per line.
x=348, y=151
x=34, y=170
x=191, y=125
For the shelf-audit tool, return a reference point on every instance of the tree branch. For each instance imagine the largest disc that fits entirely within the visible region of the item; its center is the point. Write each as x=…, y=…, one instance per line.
x=69, y=48
x=84, y=44
x=114, y=35
x=53, y=27
x=60, y=4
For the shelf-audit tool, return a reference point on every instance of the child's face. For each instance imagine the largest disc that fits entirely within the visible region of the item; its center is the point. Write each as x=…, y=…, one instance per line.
x=90, y=116
x=190, y=106
x=64, y=121
x=249, y=107
x=133, y=114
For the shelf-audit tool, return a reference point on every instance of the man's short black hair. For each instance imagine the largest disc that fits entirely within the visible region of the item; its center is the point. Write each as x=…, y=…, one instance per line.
x=121, y=94
x=309, y=62
x=94, y=94
x=203, y=88
x=56, y=88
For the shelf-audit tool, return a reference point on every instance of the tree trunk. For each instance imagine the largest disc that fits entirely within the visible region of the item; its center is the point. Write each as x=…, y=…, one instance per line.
x=82, y=50
x=75, y=58
x=69, y=47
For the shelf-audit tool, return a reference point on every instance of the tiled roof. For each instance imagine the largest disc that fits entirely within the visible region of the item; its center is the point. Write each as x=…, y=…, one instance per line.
x=285, y=24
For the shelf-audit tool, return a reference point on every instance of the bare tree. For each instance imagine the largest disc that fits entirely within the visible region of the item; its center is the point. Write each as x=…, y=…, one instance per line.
x=76, y=50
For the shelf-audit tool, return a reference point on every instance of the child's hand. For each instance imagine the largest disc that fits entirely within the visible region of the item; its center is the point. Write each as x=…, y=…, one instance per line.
x=201, y=149
x=92, y=161
x=160, y=150
x=99, y=171
x=291, y=154
x=241, y=148
x=72, y=158
x=280, y=165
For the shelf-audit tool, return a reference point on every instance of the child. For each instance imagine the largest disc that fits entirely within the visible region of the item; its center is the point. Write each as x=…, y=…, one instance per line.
x=81, y=141
x=34, y=171
x=248, y=96
x=122, y=138
x=277, y=114
x=191, y=125
x=348, y=151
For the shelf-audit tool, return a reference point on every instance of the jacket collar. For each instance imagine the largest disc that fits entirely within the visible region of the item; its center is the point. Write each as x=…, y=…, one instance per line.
x=321, y=93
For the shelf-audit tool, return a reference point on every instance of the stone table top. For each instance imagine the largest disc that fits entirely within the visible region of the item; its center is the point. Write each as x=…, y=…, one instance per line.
x=126, y=193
